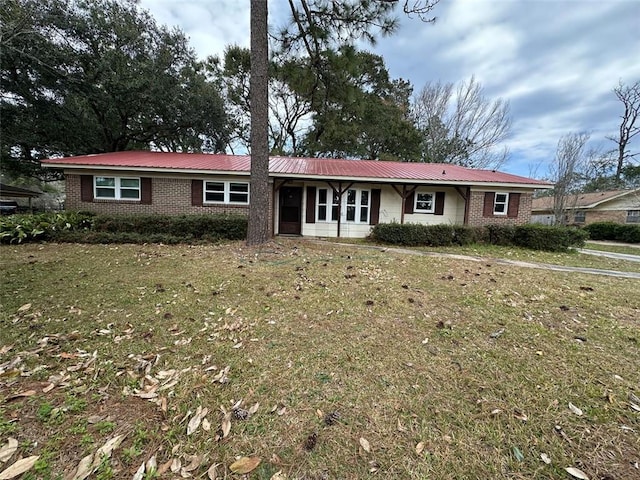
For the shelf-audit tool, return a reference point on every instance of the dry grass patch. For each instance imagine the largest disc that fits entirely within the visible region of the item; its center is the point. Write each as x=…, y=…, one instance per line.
x=355, y=363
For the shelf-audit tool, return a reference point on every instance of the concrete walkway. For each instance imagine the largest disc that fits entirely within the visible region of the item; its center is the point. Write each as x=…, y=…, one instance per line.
x=499, y=261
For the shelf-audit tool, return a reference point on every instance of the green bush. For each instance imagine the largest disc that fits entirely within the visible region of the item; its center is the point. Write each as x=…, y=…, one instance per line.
x=549, y=238
x=42, y=226
x=187, y=227
x=614, y=231
x=537, y=237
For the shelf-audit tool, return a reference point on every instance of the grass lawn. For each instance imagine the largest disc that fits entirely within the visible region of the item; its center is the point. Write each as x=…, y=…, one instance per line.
x=610, y=247
x=341, y=362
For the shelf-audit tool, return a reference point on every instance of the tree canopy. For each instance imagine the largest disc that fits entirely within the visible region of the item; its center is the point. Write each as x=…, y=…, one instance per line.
x=93, y=76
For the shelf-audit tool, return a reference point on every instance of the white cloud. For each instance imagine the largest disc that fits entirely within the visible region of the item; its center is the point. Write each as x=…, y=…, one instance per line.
x=556, y=61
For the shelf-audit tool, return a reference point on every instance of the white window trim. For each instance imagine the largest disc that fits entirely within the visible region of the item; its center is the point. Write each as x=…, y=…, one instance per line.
x=117, y=188
x=227, y=192
x=343, y=207
x=506, y=203
x=423, y=210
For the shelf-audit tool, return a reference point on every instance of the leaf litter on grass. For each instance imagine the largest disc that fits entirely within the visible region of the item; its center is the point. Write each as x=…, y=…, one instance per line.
x=320, y=328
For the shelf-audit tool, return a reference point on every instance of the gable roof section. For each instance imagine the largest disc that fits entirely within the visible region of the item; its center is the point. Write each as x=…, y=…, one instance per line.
x=581, y=200
x=294, y=167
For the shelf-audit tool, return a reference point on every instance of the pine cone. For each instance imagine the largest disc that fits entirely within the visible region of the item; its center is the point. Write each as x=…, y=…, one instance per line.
x=240, y=413
x=311, y=441
x=331, y=418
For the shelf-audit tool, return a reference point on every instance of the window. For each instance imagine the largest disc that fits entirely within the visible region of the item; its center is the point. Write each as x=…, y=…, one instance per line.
x=500, y=203
x=117, y=188
x=356, y=205
x=580, y=216
x=633, y=216
x=226, y=192
x=424, y=202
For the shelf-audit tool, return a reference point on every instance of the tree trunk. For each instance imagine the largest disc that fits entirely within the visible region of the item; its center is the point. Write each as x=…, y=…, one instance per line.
x=258, y=230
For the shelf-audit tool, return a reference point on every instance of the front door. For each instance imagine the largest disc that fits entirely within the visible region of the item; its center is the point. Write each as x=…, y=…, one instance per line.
x=290, y=211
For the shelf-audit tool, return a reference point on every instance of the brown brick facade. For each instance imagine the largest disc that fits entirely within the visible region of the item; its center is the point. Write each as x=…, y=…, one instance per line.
x=476, y=218
x=616, y=216
x=170, y=196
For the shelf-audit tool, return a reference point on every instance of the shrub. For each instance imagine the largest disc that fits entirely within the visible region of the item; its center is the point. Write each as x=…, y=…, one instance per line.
x=549, y=238
x=186, y=227
x=42, y=226
x=414, y=234
x=614, y=231
x=499, y=234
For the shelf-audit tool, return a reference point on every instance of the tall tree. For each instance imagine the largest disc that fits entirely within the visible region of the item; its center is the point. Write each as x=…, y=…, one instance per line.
x=258, y=229
x=566, y=171
x=629, y=95
x=315, y=26
x=93, y=76
x=464, y=128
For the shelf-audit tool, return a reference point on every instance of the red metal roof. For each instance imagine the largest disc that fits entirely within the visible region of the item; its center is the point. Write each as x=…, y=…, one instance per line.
x=327, y=168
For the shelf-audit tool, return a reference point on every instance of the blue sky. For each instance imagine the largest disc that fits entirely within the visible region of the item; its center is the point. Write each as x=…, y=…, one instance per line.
x=555, y=61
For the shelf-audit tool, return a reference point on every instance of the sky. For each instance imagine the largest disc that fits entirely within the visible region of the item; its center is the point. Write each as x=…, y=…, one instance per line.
x=555, y=61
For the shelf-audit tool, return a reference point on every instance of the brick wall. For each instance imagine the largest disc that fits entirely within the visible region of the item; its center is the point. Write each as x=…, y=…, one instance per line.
x=170, y=196
x=616, y=216
x=476, y=209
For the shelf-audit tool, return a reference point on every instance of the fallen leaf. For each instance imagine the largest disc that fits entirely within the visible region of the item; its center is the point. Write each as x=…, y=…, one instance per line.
x=139, y=475
x=364, y=443
x=575, y=409
x=254, y=408
x=105, y=450
x=206, y=425
x=83, y=470
x=245, y=464
x=545, y=458
x=634, y=398
x=152, y=464
x=164, y=468
x=195, y=461
x=574, y=472
x=226, y=425
x=278, y=476
x=420, y=448
x=176, y=464
x=195, y=421
x=19, y=467
x=213, y=471
x=8, y=449
x=400, y=427
x=24, y=307
x=26, y=393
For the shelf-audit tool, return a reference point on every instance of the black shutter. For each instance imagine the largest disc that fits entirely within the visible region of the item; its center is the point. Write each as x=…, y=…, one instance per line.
x=408, y=203
x=145, y=191
x=439, y=209
x=196, y=193
x=86, y=188
x=374, y=216
x=311, y=205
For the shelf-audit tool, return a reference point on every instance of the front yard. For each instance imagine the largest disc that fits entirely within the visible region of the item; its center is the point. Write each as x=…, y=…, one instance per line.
x=341, y=362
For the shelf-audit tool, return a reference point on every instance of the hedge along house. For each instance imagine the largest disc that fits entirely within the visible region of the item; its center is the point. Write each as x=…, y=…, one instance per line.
x=315, y=197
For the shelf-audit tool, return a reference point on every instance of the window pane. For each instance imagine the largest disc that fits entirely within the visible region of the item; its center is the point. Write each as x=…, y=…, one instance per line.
x=351, y=197
x=129, y=193
x=106, y=192
x=364, y=197
x=105, y=182
x=499, y=208
x=130, y=182
x=214, y=197
x=239, y=187
x=336, y=198
x=238, y=197
x=364, y=214
x=322, y=196
x=322, y=212
x=334, y=213
x=501, y=197
x=351, y=213
x=214, y=186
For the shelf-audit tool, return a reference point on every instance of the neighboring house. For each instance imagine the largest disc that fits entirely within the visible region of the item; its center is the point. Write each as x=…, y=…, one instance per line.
x=619, y=206
x=310, y=196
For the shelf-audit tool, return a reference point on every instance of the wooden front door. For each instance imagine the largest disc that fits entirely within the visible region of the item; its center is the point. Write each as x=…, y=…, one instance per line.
x=290, y=221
